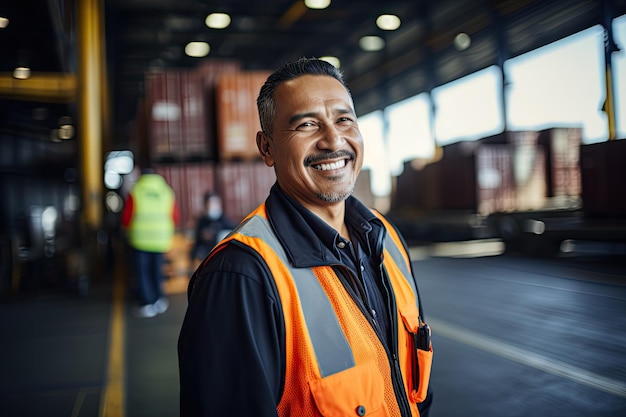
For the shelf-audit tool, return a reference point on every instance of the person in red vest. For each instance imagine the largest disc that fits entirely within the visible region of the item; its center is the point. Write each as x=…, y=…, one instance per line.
x=309, y=307
x=150, y=216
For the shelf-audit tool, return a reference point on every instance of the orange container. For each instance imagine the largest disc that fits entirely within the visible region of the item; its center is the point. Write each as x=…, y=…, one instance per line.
x=237, y=116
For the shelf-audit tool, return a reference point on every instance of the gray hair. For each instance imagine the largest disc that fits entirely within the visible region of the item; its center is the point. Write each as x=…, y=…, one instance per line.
x=303, y=66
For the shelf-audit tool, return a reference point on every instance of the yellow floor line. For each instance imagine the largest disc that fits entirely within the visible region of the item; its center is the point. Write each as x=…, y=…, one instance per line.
x=112, y=403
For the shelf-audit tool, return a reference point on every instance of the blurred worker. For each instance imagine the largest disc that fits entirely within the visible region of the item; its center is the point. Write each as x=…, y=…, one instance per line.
x=150, y=216
x=309, y=307
x=211, y=227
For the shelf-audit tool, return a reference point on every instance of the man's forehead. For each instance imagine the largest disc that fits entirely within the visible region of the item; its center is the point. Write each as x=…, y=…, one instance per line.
x=322, y=88
x=314, y=81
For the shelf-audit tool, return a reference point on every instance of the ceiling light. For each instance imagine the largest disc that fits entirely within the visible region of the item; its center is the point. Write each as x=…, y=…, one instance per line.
x=333, y=60
x=371, y=43
x=21, y=73
x=388, y=22
x=217, y=20
x=317, y=4
x=462, y=41
x=66, y=132
x=54, y=135
x=4, y=22
x=197, y=49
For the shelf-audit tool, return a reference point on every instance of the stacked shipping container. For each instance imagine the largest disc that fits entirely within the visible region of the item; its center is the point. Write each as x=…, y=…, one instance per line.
x=513, y=171
x=190, y=182
x=198, y=129
x=562, y=147
x=237, y=116
x=603, y=169
x=177, y=116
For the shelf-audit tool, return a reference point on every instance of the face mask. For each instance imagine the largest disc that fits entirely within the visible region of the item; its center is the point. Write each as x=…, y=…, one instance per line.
x=214, y=212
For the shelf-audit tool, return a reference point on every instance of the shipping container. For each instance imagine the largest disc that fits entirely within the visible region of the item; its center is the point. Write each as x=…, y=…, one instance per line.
x=190, y=181
x=195, y=139
x=237, y=114
x=457, y=176
x=210, y=71
x=561, y=146
x=603, y=170
x=164, y=101
x=495, y=186
x=416, y=188
x=529, y=170
x=405, y=191
x=474, y=177
x=560, y=149
x=181, y=123
x=243, y=185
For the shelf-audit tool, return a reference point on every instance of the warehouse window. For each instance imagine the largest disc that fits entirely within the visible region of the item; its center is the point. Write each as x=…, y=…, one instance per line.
x=409, y=133
x=561, y=84
x=375, y=158
x=469, y=108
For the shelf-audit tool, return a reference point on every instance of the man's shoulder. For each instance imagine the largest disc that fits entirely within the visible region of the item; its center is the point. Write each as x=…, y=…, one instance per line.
x=235, y=256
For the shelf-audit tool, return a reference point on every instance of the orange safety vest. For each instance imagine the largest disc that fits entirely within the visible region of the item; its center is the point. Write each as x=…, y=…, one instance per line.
x=335, y=363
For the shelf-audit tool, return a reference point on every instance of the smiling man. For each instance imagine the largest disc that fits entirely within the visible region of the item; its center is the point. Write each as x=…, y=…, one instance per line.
x=309, y=307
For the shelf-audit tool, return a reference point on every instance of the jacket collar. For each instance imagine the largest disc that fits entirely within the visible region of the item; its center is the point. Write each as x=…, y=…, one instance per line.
x=307, y=239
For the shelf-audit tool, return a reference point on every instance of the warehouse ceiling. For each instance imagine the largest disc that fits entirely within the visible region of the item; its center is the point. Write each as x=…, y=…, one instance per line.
x=144, y=35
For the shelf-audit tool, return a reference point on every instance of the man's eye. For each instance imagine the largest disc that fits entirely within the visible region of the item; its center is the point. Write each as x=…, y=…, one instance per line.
x=306, y=126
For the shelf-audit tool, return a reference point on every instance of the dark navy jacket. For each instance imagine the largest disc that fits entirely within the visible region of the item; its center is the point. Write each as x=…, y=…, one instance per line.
x=231, y=345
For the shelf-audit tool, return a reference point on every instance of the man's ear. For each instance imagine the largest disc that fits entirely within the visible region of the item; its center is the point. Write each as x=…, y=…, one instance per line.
x=263, y=142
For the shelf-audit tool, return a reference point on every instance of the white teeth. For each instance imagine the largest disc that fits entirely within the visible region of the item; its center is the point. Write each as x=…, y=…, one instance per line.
x=334, y=165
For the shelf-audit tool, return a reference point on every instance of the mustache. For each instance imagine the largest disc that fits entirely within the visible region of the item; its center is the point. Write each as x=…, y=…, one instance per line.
x=313, y=159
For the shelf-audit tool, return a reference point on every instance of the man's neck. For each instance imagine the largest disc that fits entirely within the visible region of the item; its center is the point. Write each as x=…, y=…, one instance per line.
x=334, y=215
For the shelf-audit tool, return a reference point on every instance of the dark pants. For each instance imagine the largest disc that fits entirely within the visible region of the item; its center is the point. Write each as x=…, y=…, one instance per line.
x=149, y=275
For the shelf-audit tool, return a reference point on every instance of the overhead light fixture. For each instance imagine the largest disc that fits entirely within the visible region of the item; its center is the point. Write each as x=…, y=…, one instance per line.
x=66, y=128
x=21, y=73
x=333, y=60
x=54, y=135
x=4, y=22
x=388, y=22
x=197, y=49
x=217, y=20
x=317, y=4
x=462, y=41
x=371, y=43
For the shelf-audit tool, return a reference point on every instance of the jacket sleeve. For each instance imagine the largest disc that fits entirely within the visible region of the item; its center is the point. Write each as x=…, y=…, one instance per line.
x=231, y=344
x=127, y=211
x=176, y=214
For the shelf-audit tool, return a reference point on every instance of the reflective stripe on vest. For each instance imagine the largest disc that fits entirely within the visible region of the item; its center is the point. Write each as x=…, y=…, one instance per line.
x=332, y=351
x=397, y=257
x=331, y=348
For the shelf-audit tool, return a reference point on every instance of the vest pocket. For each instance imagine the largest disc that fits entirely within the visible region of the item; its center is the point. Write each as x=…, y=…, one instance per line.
x=420, y=351
x=422, y=377
x=357, y=391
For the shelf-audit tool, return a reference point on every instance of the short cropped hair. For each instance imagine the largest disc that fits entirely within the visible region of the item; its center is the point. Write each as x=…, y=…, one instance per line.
x=303, y=66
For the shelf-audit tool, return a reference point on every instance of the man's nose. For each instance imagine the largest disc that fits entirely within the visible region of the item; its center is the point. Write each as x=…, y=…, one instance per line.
x=332, y=137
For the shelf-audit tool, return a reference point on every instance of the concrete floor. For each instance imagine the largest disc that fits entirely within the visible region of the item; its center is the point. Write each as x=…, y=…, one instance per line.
x=513, y=336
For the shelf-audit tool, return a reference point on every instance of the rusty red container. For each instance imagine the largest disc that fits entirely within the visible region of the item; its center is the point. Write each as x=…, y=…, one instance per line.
x=243, y=186
x=190, y=181
x=603, y=170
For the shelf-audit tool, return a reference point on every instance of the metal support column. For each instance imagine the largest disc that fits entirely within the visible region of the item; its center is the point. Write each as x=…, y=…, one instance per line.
x=89, y=103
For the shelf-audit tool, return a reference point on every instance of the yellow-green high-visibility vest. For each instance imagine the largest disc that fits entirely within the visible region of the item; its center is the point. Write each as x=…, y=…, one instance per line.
x=152, y=225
